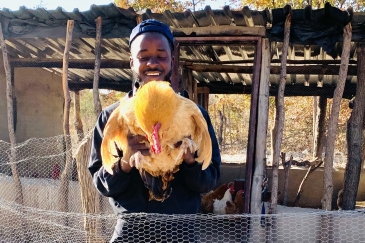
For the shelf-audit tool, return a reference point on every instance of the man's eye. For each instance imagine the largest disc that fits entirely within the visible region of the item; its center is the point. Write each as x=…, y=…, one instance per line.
x=178, y=144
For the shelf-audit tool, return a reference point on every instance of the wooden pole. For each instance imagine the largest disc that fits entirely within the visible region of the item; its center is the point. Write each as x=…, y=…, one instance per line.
x=320, y=130
x=195, y=91
x=66, y=173
x=77, y=117
x=286, y=166
x=10, y=108
x=188, y=82
x=354, y=138
x=262, y=124
x=333, y=120
x=175, y=68
x=280, y=118
x=97, y=104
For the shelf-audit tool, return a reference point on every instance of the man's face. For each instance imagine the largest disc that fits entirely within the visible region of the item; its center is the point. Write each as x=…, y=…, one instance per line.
x=151, y=57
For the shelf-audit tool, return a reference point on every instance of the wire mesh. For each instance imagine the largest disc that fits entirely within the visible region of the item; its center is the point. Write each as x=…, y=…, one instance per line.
x=39, y=219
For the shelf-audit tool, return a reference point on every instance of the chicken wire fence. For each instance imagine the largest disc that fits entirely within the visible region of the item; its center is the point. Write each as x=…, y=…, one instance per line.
x=32, y=193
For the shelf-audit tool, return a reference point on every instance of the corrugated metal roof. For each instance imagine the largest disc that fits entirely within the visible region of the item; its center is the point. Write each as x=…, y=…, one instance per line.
x=40, y=33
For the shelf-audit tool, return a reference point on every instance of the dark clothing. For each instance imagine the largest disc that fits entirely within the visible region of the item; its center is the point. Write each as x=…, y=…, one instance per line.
x=128, y=193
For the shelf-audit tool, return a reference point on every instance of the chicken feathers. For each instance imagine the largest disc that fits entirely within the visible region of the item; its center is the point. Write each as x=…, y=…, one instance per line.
x=171, y=123
x=219, y=205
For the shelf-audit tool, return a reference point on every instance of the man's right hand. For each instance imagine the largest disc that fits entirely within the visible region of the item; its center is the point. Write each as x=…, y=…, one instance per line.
x=136, y=143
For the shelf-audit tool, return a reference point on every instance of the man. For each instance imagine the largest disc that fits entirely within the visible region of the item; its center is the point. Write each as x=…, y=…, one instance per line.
x=151, y=44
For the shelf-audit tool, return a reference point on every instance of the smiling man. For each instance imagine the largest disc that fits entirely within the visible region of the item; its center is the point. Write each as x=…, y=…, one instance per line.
x=151, y=45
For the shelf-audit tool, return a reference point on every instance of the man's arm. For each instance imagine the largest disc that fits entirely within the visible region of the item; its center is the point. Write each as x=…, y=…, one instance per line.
x=204, y=180
x=107, y=184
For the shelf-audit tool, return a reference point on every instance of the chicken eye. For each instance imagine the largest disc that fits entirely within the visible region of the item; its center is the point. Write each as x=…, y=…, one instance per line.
x=178, y=144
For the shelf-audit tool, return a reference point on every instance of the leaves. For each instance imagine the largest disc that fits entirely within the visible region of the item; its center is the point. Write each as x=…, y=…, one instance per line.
x=298, y=4
x=158, y=6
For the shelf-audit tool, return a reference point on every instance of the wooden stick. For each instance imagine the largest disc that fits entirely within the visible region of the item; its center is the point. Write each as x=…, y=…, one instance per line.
x=77, y=117
x=97, y=104
x=279, y=120
x=333, y=120
x=66, y=173
x=175, y=68
x=286, y=166
x=9, y=75
x=314, y=165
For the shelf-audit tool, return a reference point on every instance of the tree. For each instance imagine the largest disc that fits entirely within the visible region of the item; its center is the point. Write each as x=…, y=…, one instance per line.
x=158, y=6
x=357, y=5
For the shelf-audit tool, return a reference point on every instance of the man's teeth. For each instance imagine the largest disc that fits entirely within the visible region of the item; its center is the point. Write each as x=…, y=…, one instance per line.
x=152, y=74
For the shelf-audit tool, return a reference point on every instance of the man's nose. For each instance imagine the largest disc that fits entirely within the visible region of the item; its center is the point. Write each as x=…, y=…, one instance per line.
x=152, y=61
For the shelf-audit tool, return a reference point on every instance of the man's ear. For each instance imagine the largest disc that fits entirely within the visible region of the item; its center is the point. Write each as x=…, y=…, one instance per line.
x=130, y=61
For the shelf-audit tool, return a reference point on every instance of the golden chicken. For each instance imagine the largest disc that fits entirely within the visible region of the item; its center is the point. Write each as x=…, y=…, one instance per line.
x=171, y=124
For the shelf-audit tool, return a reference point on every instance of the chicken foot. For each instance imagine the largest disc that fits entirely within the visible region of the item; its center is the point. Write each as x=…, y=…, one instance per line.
x=186, y=144
x=137, y=159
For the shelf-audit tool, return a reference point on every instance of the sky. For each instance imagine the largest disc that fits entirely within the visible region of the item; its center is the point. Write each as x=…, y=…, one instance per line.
x=70, y=5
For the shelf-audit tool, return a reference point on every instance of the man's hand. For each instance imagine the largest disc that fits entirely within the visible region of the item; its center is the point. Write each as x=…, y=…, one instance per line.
x=136, y=143
x=189, y=157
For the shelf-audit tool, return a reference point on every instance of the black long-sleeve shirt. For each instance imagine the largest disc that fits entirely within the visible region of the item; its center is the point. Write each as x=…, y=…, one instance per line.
x=127, y=191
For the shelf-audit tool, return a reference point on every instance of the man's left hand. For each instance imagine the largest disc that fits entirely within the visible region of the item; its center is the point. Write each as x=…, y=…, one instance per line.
x=189, y=157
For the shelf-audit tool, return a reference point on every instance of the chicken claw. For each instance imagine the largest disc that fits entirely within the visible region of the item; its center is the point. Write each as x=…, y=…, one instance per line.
x=137, y=159
x=186, y=144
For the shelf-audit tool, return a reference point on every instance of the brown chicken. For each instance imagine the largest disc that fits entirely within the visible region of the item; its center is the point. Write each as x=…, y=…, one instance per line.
x=209, y=198
x=171, y=124
x=237, y=206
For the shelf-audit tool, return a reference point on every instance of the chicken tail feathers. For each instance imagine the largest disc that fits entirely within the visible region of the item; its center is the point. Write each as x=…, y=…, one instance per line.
x=159, y=186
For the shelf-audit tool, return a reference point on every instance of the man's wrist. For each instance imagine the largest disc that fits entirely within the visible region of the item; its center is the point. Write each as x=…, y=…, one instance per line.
x=121, y=166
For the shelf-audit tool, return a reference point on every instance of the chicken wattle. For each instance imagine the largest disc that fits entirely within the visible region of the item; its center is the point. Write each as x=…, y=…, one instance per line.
x=156, y=147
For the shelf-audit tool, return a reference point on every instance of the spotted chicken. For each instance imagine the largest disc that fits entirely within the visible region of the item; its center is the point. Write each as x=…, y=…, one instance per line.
x=219, y=205
x=171, y=124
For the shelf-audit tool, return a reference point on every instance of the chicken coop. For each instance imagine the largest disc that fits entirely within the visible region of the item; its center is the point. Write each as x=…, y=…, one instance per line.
x=300, y=73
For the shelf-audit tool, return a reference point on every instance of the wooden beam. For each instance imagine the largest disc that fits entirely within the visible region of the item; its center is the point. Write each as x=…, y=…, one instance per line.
x=203, y=93
x=313, y=69
x=251, y=140
x=216, y=40
x=187, y=61
x=261, y=134
x=72, y=63
x=316, y=68
x=123, y=85
x=223, y=30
